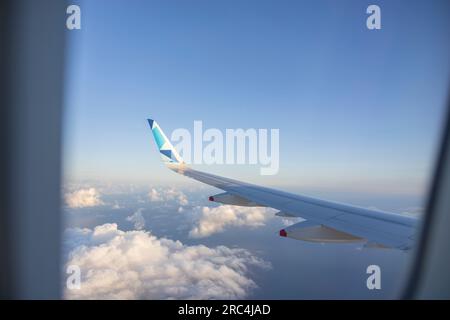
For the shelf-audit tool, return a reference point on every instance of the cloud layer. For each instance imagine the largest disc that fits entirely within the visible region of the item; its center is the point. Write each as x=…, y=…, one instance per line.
x=136, y=265
x=214, y=220
x=82, y=198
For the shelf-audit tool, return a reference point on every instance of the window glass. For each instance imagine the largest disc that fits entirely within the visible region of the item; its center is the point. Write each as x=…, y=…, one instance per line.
x=351, y=98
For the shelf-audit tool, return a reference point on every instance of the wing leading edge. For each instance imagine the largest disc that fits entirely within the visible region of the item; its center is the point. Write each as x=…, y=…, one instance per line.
x=326, y=221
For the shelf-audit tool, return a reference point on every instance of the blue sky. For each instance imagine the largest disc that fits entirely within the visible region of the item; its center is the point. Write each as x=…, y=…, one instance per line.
x=358, y=110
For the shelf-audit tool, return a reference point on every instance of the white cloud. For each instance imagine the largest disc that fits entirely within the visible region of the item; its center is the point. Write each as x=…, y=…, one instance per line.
x=116, y=206
x=155, y=196
x=413, y=211
x=170, y=194
x=290, y=221
x=138, y=219
x=136, y=265
x=82, y=198
x=213, y=220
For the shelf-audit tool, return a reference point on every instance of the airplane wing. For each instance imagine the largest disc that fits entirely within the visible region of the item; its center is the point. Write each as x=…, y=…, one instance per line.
x=326, y=221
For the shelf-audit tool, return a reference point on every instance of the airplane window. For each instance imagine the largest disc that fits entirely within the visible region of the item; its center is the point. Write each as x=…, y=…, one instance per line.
x=249, y=149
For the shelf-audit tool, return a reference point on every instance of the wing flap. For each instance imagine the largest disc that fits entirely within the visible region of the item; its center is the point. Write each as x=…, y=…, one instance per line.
x=231, y=199
x=313, y=232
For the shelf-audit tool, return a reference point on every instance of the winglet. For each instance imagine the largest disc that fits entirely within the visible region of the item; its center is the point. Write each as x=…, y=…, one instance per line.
x=167, y=151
